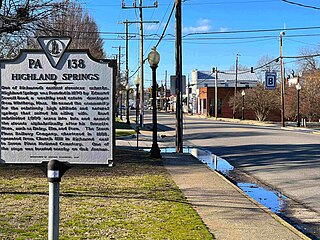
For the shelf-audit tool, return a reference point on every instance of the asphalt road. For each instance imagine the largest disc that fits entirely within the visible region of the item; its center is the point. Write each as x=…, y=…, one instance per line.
x=287, y=160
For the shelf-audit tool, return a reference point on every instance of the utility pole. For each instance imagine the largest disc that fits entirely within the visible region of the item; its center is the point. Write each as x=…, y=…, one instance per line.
x=165, y=90
x=141, y=68
x=119, y=73
x=126, y=23
x=282, y=81
x=141, y=60
x=127, y=70
x=235, y=86
x=119, y=62
x=216, y=94
x=179, y=115
x=188, y=86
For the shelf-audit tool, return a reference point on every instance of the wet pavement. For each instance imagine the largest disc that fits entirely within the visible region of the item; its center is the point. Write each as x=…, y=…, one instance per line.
x=228, y=213
x=272, y=200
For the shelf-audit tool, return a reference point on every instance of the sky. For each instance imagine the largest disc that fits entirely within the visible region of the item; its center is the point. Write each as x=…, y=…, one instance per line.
x=213, y=32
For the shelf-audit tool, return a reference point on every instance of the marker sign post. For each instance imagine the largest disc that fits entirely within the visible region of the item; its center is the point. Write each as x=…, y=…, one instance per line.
x=57, y=107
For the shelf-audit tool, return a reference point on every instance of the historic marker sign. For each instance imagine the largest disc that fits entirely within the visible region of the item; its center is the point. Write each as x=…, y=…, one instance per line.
x=57, y=104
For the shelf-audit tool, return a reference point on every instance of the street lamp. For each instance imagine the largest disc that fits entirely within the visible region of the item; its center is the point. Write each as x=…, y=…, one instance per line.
x=298, y=87
x=127, y=102
x=137, y=83
x=243, y=93
x=154, y=59
x=120, y=105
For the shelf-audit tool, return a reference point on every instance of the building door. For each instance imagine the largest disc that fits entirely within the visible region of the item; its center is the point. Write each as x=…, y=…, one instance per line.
x=211, y=107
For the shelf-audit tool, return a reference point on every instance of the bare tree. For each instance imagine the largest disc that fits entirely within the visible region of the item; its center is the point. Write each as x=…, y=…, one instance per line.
x=260, y=100
x=266, y=64
x=21, y=21
x=309, y=62
x=310, y=96
x=16, y=15
x=17, y=20
x=72, y=20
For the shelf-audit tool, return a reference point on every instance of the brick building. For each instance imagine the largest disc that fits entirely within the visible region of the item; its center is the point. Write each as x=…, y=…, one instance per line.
x=204, y=84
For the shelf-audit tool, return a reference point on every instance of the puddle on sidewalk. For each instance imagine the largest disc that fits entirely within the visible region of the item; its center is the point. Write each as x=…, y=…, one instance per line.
x=271, y=199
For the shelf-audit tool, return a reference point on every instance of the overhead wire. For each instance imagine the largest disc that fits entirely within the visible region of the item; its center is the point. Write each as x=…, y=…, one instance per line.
x=162, y=35
x=301, y=5
x=253, y=31
x=166, y=26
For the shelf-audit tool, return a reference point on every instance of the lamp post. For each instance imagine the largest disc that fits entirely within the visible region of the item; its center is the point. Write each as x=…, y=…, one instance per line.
x=154, y=59
x=120, y=105
x=137, y=83
x=243, y=93
x=127, y=102
x=298, y=87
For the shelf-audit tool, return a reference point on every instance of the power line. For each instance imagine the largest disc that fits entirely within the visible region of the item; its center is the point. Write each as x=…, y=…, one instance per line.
x=166, y=26
x=186, y=2
x=304, y=56
x=301, y=5
x=252, y=31
x=299, y=58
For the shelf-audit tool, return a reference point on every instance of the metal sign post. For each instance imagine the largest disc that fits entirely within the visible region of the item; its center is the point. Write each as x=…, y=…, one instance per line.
x=137, y=131
x=55, y=171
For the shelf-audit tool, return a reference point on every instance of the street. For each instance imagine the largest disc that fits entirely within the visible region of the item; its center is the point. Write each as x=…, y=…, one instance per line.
x=288, y=161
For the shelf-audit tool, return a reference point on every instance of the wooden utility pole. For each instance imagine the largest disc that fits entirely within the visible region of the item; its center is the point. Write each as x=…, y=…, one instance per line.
x=216, y=94
x=141, y=59
x=119, y=63
x=118, y=83
x=165, y=90
x=179, y=114
x=282, y=81
x=126, y=23
x=235, y=86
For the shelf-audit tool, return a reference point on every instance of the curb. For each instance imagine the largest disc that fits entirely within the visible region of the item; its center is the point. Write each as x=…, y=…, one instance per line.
x=256, y=123
x=265, y=209
x=303, y=130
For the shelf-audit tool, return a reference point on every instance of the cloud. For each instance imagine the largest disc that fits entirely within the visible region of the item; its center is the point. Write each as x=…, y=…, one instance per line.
x=223, y=29
x=151, y=27
x=203, y=25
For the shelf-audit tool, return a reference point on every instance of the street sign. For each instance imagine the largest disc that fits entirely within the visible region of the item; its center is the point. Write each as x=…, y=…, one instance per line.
x=57, y=104
x=271, y=80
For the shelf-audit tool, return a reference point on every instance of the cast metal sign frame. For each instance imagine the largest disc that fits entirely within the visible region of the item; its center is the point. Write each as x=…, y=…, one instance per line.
x=38, y=86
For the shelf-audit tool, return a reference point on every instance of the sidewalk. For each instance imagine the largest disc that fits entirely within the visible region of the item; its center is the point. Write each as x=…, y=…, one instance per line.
x=223, y=207
x=227, y=212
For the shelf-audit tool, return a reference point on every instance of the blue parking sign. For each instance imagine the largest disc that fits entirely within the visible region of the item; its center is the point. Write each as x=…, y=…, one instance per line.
x=271, y=80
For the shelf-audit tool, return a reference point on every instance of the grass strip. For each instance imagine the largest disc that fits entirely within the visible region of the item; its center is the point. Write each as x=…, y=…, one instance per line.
x=136, y=199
